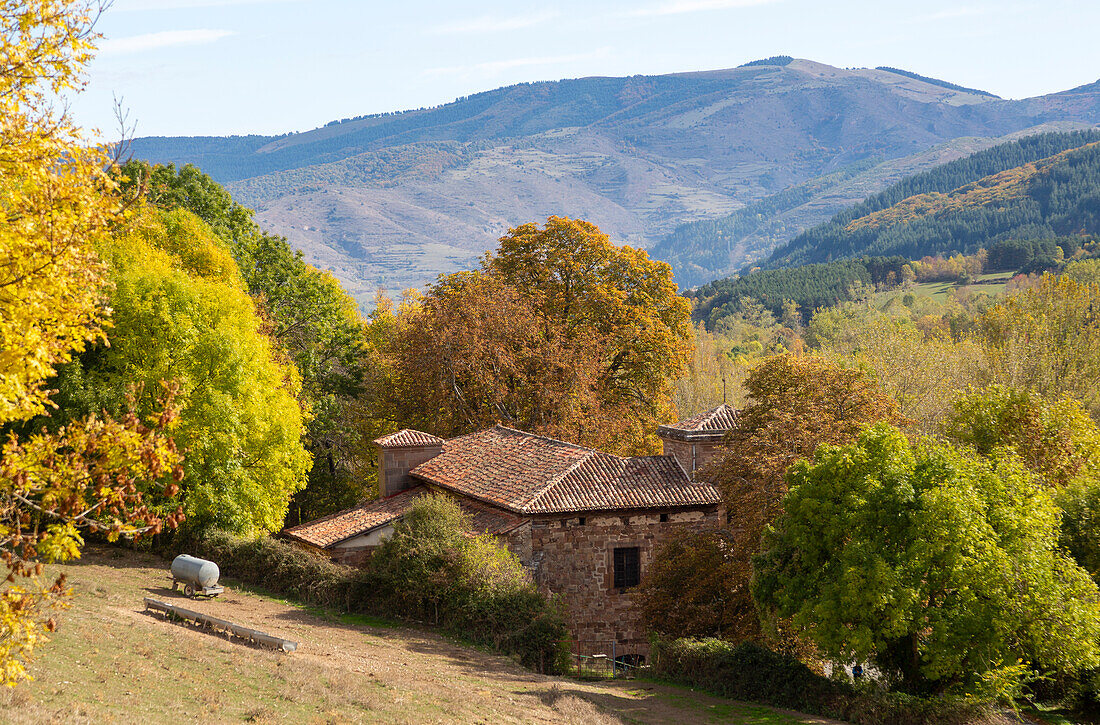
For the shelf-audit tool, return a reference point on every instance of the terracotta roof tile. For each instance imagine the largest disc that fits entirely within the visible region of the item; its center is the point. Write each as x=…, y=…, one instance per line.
x=337, y=527
x=408, y=437
x=710, y=424
x=532, y=474
x=343, y=525
x=605, y=482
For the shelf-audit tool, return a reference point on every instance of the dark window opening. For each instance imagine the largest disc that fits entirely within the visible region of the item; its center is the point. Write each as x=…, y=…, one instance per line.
x=580, y=521
x=627, y=567
x=664, y=518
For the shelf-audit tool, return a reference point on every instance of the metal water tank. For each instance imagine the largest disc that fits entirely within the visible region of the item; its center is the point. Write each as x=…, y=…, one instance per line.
x=200, y=572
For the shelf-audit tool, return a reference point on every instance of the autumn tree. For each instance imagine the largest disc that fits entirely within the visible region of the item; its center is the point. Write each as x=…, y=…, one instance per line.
x=474, y=351
x=684, y=590
x=590, y=333
x=1047, y=339
x=795, y=405
x=937, y=563
x=58, y=203
x=921, y=369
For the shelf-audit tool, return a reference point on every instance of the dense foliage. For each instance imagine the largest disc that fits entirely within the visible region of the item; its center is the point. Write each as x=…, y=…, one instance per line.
x=794, y=404
x=1038, y=187
x=748, y=672
x=939, y=564
x=810, y=287
x=311, y=319
x=684, y=592
x=180, y=312
x=561, y=332
x=58, y=204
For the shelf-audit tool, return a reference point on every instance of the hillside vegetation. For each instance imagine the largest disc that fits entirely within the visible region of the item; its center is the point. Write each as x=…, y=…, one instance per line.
x=1038, y=187
x=392, y=200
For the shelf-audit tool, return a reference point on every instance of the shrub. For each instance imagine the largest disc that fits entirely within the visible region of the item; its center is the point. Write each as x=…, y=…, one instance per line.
x=471, y=585
x=747, y=671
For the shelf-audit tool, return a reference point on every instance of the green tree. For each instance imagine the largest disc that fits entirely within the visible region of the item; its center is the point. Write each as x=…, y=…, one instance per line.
x=936, y=562
x=311, y=318
x=181, y=313
x=1057, y=441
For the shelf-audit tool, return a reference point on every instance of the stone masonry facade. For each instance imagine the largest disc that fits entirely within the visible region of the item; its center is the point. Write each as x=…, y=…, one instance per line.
x=573, y=558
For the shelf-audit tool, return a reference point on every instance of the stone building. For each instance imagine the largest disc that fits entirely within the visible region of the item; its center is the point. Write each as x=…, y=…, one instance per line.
x=585, y=523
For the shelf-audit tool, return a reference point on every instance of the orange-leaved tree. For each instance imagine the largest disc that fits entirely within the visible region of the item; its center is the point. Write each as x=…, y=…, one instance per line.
x=560, y=332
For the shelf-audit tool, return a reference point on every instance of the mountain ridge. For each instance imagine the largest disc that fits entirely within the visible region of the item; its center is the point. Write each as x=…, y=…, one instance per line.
x=392, y=200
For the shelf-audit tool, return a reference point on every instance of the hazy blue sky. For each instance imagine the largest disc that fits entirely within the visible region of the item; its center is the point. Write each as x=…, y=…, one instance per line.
x=192, y=67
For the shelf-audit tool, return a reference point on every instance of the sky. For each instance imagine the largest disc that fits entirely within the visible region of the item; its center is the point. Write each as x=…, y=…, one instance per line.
x=222, y=67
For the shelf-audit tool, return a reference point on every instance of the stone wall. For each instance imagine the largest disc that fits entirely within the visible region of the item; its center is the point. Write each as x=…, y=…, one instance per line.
x=394, y=465
x=575, y=560
x=705, y=452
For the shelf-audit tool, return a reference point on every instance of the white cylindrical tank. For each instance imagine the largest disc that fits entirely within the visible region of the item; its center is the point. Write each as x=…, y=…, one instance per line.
x=200, y=572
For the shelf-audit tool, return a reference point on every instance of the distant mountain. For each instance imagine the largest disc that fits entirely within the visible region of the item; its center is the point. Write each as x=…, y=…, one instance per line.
x=1040, y=187
x=392, y=200
x=1029, y=203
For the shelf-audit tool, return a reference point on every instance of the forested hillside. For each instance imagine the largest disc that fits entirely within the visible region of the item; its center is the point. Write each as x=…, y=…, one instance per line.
x=392, y=200
x=1039, y=187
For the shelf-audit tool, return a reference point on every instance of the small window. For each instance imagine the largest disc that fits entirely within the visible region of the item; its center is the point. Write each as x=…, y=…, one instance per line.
x=664, y=518
x=627, y=567
x=580, y=521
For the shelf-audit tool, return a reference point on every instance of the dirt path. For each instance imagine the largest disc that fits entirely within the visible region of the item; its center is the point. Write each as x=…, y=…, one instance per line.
x=113, y=662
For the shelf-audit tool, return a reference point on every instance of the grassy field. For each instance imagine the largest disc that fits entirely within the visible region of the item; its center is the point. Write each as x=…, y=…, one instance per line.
x=111, y=662
x=992, y=284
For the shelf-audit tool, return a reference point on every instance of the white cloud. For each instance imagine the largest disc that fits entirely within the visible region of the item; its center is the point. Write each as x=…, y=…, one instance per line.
x=156, y=41
x=680, y=7
x=497, y=66
x=490, y=24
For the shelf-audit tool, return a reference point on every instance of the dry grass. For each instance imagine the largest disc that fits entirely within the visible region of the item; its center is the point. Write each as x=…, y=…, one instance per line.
x=110, y=662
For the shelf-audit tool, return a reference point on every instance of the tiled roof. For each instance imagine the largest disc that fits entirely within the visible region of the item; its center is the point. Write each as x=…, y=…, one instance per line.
x=337, y=527
x=605, y=482
x=343, y=525
x=408, y=437
x=711, y=423
x=531, y=474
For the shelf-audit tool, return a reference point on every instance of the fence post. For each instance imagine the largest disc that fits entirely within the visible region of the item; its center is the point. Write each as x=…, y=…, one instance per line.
x=614, y=661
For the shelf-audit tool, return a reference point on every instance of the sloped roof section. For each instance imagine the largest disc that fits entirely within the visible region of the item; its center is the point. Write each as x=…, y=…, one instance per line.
x=605, y=483
x=407, y=437
x=531, y=474
x=709, y=425
x=332, y=529
x=343, y=525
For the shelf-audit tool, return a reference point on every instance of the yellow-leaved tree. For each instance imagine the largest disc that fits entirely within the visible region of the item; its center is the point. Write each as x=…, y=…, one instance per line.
x=56, y=204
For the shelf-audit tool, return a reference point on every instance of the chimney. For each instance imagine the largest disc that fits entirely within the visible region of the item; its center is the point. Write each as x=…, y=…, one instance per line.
x=401, y=452
x=694, y=442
